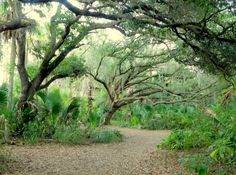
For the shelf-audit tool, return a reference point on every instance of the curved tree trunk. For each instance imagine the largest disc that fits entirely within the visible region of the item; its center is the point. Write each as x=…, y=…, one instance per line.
x=109, y=115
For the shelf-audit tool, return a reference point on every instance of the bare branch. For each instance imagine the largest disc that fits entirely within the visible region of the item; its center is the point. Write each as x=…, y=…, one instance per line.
x=104, y=85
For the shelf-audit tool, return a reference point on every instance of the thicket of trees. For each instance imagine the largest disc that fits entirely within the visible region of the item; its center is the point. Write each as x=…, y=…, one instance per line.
x=172, y=52
x=202, y=34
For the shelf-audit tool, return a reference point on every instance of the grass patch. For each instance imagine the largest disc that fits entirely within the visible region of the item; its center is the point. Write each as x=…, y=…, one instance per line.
x=76, y=135
x=200, y=163
x=105, y=136
x=70, y=134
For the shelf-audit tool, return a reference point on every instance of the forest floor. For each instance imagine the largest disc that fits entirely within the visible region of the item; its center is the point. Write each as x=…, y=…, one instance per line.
x=136, y=155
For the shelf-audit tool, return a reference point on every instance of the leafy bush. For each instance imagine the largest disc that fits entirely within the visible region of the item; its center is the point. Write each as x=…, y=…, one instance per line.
x=73, y=110
x=196, y=164
x=32, y=132
x=70, y=134
x=169, y=121
x=186, y=139
x=215, y=134
x=172, y=117
x=157, y=117
x=3, y=98
x=73, y=134
x=105, y=136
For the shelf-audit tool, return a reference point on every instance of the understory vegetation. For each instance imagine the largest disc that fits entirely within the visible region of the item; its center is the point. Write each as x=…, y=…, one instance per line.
x=66, y=121
x=207, y=135
x=213, y=136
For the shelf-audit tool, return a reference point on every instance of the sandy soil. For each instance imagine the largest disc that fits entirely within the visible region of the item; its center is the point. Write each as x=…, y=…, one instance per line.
x=136, y=155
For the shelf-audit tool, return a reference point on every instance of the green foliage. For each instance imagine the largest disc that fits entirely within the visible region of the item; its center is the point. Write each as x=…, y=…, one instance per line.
x=105, y=136
x=32, y=70
x=196, y=164
x=223, y=149
x=32, y=132
x=94, y=119
x=3, y=98
x=3, y=110
x=41, y=116
x=187, y=139
x=54, y=102
x=176, y=116
x=64, y=120
x=73, y=109
x=215, y=134
x=71, y=134
x=72, y=66
x=4, y=6
x=4, y=154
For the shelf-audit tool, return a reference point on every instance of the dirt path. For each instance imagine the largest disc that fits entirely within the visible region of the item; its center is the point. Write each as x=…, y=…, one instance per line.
x=132, y=156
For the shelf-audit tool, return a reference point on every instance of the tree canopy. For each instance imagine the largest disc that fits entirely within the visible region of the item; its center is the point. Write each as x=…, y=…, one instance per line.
x=205, y=29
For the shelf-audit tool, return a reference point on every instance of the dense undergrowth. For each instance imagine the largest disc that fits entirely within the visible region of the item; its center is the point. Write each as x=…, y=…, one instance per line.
x=208, y=139
x=215, y=138
x=206, y=134
x=55, y=115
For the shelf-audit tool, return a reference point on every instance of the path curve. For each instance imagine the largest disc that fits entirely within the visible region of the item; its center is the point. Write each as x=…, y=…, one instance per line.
x=123, y=158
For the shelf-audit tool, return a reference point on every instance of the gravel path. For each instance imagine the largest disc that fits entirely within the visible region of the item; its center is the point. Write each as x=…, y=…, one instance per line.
x=136, y=155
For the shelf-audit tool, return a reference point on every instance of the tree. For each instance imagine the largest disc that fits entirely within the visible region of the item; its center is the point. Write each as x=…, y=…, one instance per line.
x=205, y=28
x=12, y=58
x=67, y=36
x=67, y=40
x=137, y=71
x=196, y=27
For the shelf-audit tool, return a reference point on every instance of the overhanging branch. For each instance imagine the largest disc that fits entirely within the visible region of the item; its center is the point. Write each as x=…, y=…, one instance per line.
x=13, y=25
x=55, y=77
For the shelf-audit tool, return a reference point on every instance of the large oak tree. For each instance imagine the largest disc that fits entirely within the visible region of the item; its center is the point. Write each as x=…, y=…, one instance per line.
x=136, y=70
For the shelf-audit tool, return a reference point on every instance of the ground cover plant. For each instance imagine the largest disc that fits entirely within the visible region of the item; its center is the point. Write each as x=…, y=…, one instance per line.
x=214, y=136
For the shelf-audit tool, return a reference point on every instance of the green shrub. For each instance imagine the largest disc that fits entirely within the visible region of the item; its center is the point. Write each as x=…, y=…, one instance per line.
x=73, y=134
x=105, y=136
x=32, y=132
x=196, y=164
x=168, y=122
x=215, y=134
x=224, y=150
x=70, y=134
x=187, y=139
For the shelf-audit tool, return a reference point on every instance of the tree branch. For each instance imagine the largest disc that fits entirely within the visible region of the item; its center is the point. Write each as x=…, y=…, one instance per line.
x=52, y=79
x=74, y=9
x=104, y=85
x=13, y=25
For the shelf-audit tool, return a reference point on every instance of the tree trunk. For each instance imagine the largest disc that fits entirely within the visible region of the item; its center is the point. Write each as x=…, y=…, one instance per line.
x=109, y=115
x=11, y=74
x=90, y=100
